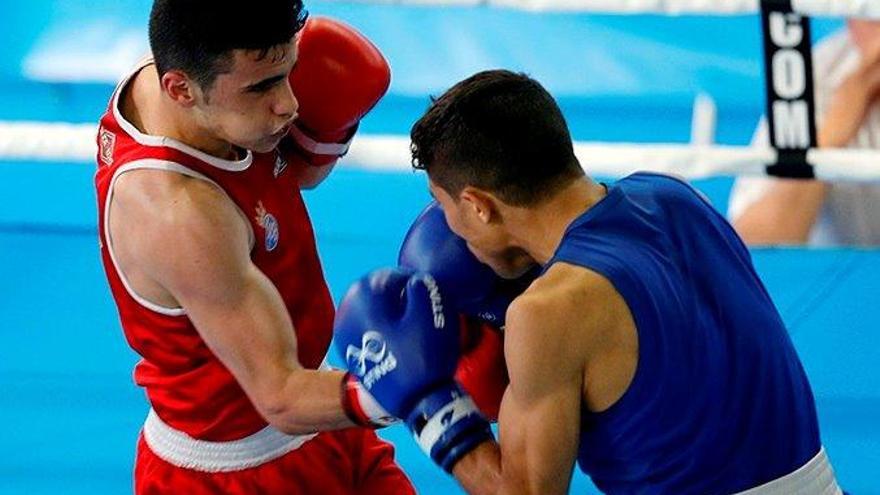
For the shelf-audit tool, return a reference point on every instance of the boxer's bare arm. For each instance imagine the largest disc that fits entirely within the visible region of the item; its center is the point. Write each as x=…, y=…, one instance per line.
x=193, y=243
x=539, y=422
x=568, y=328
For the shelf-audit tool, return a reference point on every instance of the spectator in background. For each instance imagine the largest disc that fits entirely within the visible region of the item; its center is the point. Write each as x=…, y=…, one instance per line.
x=789, y=211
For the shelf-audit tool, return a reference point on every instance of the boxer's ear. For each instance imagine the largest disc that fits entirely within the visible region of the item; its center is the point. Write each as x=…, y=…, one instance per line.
x=179, y=87
x=483, y=204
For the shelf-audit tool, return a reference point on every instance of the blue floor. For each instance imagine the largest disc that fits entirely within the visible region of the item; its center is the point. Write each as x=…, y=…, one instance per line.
x=70, y=412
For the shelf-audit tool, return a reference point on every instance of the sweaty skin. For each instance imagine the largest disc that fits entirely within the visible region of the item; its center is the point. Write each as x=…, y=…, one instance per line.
x=570, y=341
x=236, y=309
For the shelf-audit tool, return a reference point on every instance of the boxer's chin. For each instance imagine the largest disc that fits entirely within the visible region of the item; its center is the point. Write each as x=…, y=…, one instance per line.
x=512, y=264
x=266, y=144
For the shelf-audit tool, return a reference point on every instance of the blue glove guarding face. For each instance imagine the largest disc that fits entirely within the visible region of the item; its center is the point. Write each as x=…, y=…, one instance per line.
x=472, y=287
x=400, y=342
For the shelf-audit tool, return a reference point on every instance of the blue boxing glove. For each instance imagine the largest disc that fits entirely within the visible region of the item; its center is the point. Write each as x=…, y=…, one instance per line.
x=472, y=287
x=402, y=346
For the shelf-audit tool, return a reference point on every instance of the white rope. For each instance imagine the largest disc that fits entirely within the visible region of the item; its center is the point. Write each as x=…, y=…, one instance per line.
x=76, y=143
x=834, y=8
x=619, y=159
x=48, y=141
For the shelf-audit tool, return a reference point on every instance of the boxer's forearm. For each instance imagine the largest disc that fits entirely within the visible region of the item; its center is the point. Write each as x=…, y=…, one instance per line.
x=309, y=401
x=479, y=471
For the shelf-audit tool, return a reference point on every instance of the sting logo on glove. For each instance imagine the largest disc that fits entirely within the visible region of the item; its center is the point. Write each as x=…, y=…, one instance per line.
x=374, y=350
x=436, y=301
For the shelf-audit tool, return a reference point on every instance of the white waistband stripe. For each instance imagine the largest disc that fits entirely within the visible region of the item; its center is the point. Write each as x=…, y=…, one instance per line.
x=816, y=477
x=180, y=449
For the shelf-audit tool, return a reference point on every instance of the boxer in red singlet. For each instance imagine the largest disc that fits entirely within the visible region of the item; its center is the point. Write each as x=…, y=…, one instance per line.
x=211, y=257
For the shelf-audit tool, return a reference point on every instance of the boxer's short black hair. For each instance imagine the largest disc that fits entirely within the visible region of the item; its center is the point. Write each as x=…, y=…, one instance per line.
x=499, y=131
x=197, y=36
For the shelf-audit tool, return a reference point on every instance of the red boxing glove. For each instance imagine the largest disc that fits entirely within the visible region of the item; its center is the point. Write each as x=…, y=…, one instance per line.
x=360, y=407
x=482, y=371
x=339, y=76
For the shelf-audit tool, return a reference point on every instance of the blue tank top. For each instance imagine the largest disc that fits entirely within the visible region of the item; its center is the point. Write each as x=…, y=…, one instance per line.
x=719, y=402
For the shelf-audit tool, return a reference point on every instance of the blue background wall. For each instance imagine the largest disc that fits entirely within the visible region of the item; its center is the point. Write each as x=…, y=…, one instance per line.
x=69, y=412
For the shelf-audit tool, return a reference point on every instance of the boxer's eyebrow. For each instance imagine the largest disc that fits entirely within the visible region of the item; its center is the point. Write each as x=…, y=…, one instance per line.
x=264, y=84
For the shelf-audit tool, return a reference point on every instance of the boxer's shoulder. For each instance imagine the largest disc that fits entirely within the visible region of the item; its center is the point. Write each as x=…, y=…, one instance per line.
x=566, y=288
x=568, y=303
x=167, y=190
x=153, y=209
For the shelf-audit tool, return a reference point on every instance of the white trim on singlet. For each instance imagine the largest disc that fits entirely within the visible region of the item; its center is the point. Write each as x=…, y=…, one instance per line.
x=159, y=141
x=182, y=450
x=154, y=164
x=816, y=477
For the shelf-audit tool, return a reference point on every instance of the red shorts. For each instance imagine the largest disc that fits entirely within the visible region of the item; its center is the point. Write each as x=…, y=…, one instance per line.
x=343, y=462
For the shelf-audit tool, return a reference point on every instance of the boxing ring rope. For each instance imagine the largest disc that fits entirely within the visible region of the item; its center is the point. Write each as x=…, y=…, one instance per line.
x=834, y=8
x=619, y=159
x=48, y=141
x=76, y=143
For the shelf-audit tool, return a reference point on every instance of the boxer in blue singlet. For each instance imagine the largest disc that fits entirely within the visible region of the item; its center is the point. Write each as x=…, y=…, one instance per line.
x=647, y=349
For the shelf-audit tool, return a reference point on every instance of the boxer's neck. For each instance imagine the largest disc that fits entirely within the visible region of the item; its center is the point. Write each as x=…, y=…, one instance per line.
x=155, y=114
x=539, y=229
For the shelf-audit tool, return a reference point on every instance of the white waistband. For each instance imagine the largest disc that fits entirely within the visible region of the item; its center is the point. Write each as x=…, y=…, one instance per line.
x=182, y=450
x=816, y=477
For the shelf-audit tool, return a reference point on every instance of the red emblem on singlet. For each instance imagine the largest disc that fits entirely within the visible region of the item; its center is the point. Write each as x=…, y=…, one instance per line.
x=107, y=142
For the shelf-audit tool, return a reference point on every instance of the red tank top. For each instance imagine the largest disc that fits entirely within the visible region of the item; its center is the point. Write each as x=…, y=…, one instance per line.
x=189, y=388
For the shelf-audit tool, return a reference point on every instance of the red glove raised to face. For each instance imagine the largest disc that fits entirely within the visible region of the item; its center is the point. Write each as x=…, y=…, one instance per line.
x=338, y=77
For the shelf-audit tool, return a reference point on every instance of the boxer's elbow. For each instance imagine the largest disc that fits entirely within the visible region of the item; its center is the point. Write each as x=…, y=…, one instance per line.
x=284, y=409
x=311, y=176
x=287, y=417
